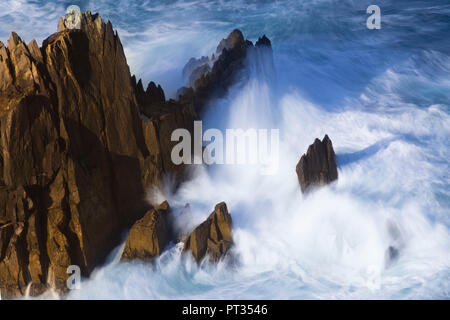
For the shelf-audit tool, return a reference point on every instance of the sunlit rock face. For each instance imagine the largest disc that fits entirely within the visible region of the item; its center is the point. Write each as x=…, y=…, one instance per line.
x=212, y=238
x=318, y=166
x=149, y=236
x=76, y=155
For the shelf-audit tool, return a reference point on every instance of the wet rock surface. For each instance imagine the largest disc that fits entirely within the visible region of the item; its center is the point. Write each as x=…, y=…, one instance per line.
x=150, y=235
x=212, y=238
x=317, y=166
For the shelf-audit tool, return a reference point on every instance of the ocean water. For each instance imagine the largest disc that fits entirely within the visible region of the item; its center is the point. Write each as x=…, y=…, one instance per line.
x=383, y=97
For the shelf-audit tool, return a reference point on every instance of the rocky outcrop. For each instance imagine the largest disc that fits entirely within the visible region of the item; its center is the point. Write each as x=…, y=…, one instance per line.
x=213, y=237
x=318, y=166
x=150, y=101
x=150, y=235
x=211, y=77
x=76, y=157
x=81, y=142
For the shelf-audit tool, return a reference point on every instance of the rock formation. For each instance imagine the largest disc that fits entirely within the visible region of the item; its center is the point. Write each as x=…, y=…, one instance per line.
x=75, y=158
x=211, y=77
x=150, y=101
x=150, y=235
x=81, y=142
x=318, y=166
x=212, y=238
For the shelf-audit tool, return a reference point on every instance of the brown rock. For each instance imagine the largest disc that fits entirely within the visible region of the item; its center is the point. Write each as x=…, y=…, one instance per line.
x=318, y=166
x=80, y=144
x=150, y=235
x=75, y=158
x=213, y=237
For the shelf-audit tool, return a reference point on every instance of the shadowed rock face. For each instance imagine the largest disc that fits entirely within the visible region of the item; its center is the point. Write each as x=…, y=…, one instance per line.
x=150, y=235
x=75, y=155
x=211, y=77
x=150, y=100
x=212, y=238
x=318, y=166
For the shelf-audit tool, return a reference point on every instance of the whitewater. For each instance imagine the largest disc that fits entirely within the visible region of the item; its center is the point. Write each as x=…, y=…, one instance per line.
x=383, y=97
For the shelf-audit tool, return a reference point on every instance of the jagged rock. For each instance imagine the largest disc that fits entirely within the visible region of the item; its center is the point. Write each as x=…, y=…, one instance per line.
x=213, y=237
x=150, y=235
x=80, y=144
x=318, y=166
x=211, y=77
x=75, y=158
x=151, y=101
x=263, y=41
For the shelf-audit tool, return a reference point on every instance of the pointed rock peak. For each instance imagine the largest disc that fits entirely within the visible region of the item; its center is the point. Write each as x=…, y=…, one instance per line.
x=33, y=43
x=98, y=21
x=35, y=51
x=140, y=86
x=156, y=93
x=109, y=29
x=213, y=237
x=235, y=38
x=61, y=24
x=164, y=206
x=13, y=40
x=151, y=86
x=318, y=166
x=263, y=41
x=221, y=208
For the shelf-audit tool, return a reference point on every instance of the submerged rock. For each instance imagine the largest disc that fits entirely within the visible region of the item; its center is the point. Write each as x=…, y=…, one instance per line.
x=318, y=166
x=150, y=235
x=396, y=243
x=213, y=237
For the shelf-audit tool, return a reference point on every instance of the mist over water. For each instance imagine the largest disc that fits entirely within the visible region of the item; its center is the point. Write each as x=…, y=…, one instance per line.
x=382, y=96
